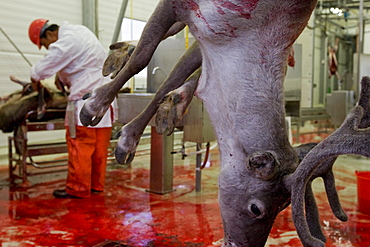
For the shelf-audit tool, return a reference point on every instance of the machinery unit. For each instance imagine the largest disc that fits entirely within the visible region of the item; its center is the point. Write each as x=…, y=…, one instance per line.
x=338, y=105
x=131, y=104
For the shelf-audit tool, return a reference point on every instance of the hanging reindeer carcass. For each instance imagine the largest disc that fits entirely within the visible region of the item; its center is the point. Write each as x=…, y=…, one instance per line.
x=244, y=46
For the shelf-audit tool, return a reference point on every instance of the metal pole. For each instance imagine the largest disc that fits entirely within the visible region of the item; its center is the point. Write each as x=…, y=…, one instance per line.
x=313, y=59
x=359, y=45
x=198, y=171
x=120, y=17
x=89, y=15
x=15, y=46
x=161, y=163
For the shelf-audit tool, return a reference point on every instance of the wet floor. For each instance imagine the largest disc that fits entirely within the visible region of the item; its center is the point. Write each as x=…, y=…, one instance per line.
x=125, y=214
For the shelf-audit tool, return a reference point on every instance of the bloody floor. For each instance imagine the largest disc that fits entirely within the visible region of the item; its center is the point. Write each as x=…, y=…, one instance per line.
x=125, y=214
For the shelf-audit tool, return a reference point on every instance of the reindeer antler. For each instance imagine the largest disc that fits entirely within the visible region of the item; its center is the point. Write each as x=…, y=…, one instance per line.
x=353, y=137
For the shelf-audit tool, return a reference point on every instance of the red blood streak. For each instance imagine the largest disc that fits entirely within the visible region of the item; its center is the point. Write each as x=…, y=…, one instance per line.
x=245, y=8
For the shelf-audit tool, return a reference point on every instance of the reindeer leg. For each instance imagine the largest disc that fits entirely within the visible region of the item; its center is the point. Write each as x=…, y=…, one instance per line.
x=99, y=100
x=16, y=80
x=41, y=109
x=173, y=106
x=131, y=132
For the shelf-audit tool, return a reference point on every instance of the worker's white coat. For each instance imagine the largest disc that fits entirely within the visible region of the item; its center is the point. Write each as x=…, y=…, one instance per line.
x=78, y=56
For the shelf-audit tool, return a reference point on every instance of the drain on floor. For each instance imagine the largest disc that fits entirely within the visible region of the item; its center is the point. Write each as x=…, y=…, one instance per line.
x=112, y=244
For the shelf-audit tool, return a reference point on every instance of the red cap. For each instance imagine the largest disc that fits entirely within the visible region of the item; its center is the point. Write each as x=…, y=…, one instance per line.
x=35, y=30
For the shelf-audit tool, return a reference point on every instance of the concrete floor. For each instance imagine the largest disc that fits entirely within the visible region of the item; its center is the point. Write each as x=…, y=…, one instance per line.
x=126, y=215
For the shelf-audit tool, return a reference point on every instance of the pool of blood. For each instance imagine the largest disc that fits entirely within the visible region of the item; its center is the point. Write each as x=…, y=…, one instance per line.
x=125, y=212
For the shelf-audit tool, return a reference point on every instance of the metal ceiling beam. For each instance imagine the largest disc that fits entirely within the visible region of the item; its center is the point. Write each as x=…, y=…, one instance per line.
x=343, y=4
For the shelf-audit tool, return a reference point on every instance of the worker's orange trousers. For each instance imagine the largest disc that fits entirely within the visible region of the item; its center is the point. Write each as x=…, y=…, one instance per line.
x=87, y=160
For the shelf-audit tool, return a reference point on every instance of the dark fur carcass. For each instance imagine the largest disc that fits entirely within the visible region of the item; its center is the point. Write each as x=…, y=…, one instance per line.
x=18, y=106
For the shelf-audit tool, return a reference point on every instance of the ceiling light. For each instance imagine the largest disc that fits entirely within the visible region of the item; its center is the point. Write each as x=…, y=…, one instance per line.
x=336, y=11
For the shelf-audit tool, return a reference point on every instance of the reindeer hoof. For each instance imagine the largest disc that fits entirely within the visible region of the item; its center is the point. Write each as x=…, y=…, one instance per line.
x=167, y=116
x=122, y=157
x=88, y=119
x=85, y=117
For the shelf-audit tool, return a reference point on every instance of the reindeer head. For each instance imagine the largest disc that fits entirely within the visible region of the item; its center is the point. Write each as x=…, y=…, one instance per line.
x=249, y=210
x=252, y=196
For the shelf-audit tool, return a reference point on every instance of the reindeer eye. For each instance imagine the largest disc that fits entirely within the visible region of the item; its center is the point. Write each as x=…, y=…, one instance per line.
x=255, y=210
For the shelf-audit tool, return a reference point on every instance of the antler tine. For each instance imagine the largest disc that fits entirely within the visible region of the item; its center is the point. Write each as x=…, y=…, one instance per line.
x=325, y=171
x=312, y=214
x=348, y=139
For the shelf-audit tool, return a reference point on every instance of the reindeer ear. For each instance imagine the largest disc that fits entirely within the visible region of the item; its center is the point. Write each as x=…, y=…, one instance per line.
x=262, y=165
x=302, y=150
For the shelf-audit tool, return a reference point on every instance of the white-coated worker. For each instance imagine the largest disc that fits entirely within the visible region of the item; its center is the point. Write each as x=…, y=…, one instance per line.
x=76, y=56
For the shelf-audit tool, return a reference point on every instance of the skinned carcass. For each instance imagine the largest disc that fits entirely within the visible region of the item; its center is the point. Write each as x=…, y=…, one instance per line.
x=244, y=46
x=18, y=104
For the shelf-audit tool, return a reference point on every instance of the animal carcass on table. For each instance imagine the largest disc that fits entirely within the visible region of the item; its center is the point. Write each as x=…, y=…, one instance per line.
x=244, y=47
x=16, y=114
x=18, y=104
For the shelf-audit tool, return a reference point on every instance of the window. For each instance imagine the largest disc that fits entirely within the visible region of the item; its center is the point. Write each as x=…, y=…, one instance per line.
x=131, y=30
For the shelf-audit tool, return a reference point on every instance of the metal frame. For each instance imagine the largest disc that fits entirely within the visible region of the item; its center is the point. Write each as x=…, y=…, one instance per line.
x=21, y=153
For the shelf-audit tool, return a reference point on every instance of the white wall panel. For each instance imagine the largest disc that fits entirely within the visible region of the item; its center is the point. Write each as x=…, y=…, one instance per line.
x=306, y=39
x=16, y=15
x=140, y=9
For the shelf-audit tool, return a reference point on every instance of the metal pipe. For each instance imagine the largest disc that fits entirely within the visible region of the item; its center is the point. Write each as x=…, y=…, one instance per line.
x=15, y=46
x=36, y=165
x=158, y=68
x=313, y=59
x=120, y=17
x=202, y=151
x=89, y=15
x=359, y=46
